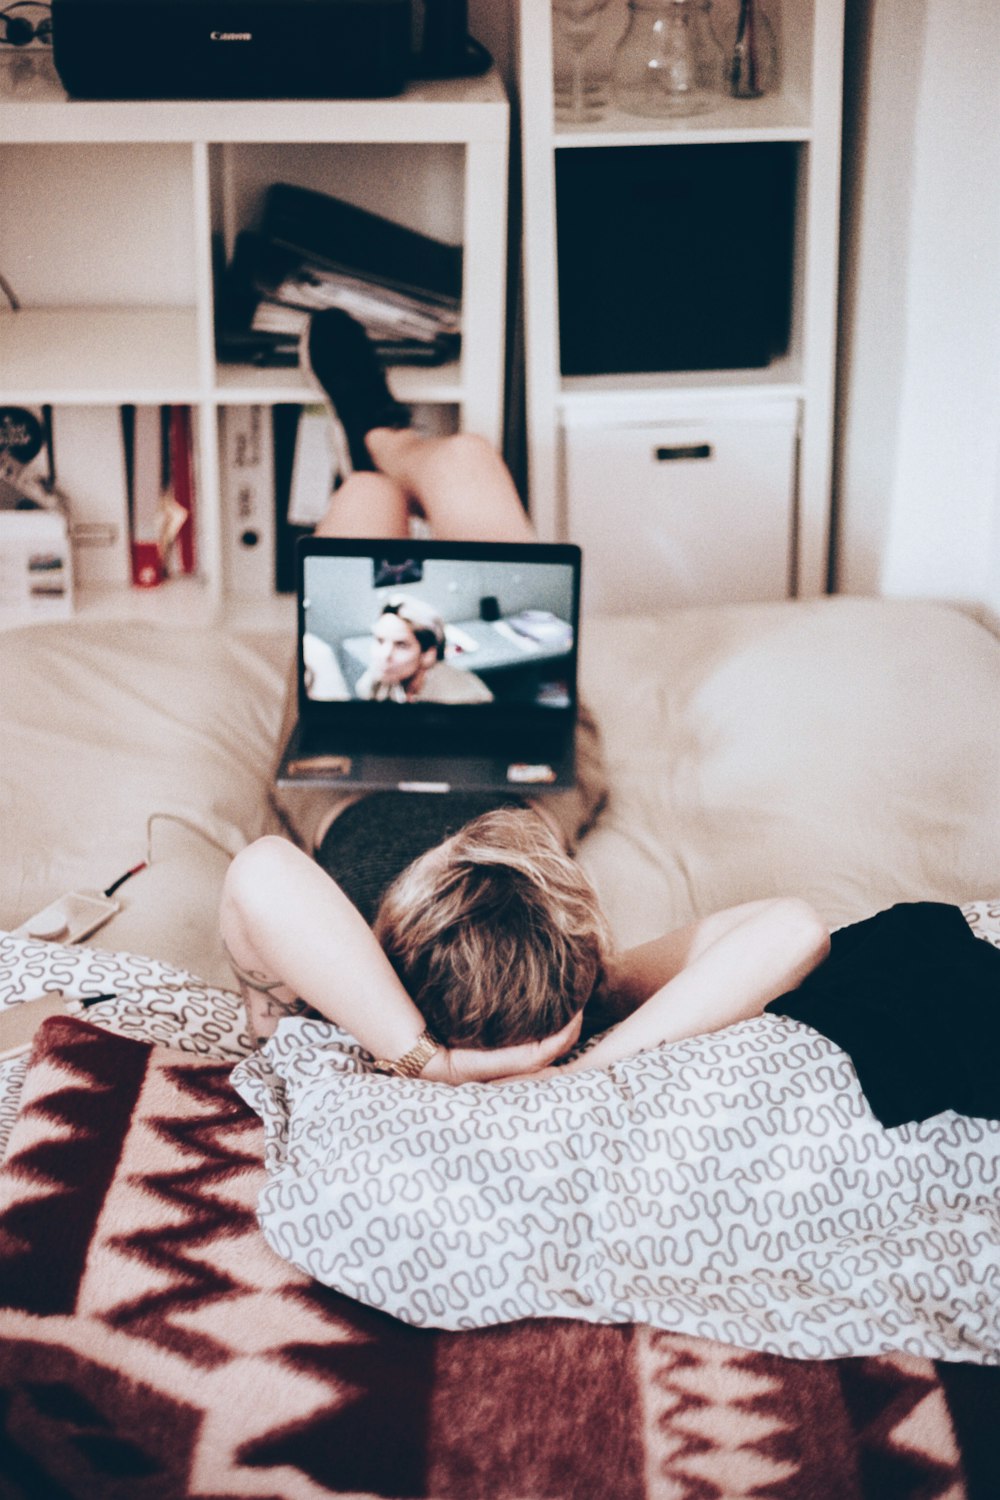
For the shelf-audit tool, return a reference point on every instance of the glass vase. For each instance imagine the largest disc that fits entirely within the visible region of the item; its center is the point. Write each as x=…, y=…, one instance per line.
x=669, y=62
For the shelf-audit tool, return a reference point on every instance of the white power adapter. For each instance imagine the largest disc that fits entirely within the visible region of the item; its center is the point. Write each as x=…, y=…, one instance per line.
x=72, y=917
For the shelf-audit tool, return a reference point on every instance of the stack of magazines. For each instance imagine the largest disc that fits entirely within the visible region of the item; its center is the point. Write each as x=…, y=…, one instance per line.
x=313, y=251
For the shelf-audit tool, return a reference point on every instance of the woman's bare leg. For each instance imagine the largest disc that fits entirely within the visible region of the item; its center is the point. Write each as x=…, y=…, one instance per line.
x=367, y=504
x=461, y=484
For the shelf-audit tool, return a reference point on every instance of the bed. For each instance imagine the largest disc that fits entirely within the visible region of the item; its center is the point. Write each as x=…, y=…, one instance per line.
x=845, y=750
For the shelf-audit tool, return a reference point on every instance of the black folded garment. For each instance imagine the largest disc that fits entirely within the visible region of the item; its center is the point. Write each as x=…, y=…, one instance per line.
x=913, y=997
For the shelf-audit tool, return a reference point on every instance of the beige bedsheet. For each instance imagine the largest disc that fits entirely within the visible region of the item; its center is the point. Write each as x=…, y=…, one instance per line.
x=845, y=750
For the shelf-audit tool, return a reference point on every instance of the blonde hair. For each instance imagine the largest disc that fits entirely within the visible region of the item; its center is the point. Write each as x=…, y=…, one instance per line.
x=497, y=935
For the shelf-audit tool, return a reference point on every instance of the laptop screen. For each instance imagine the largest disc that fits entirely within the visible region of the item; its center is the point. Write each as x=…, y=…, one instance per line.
x=433, y=623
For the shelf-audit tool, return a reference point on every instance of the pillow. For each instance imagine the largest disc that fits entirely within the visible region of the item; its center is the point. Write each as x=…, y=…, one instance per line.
x=843, y=750
x=734, y=1186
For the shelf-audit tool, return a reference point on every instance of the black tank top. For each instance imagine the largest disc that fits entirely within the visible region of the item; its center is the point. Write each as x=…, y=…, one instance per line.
x=373, y=840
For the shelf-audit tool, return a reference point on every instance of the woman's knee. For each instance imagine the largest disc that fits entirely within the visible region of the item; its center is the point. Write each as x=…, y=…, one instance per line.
x=460, y=459
x=368, y=504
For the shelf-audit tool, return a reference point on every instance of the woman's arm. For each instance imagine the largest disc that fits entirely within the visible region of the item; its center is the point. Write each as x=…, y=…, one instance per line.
x=283, y=918
x=708, y=975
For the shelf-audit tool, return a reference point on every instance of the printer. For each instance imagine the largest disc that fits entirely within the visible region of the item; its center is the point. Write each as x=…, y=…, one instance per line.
x=232, y=49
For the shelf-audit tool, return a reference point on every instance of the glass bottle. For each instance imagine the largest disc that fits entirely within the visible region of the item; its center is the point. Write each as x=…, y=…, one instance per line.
x=753, y=60
x=669, y=62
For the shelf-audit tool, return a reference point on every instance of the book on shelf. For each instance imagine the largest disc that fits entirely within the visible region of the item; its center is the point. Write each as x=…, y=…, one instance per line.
x=142, y=438
x=247, y=454
x=314, y=251
x=160, y=487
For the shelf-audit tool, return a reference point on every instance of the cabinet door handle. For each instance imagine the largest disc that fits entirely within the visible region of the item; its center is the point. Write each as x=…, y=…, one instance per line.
x=682, y=450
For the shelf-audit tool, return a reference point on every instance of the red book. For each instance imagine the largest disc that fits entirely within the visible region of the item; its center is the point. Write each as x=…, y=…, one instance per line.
x=182, y=476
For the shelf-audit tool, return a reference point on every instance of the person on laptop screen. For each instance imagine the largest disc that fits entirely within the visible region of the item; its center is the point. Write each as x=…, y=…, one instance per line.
x=408, y=664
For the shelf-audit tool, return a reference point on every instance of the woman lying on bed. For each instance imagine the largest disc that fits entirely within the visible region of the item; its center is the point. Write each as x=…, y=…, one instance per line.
x=740, y=1185
x=491, y=937
x=484, y=952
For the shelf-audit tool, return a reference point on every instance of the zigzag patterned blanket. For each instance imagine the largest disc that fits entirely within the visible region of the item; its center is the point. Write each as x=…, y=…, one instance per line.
x=152, y=1347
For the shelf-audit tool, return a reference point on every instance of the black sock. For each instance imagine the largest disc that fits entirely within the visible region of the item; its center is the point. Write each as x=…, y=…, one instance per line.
x=342, y=360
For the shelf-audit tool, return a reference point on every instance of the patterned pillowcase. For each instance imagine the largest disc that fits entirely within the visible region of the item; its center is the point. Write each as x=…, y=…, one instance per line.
x=149, y=1000
x=734, y=1186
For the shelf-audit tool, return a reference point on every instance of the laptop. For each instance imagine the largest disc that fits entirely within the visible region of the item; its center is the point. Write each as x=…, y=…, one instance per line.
x=434, y=666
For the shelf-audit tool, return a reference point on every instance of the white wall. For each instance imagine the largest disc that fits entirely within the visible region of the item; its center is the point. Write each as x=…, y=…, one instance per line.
x=919, y=450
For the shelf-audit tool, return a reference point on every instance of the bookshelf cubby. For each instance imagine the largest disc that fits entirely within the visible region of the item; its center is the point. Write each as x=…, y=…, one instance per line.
x=779, y=520
x=115, y=213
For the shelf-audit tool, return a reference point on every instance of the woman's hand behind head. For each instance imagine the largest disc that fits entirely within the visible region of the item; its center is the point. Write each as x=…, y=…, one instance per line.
x=494, y=1064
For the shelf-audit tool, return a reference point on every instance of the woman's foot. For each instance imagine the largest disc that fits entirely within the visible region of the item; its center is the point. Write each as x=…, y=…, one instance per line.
x=335, y=351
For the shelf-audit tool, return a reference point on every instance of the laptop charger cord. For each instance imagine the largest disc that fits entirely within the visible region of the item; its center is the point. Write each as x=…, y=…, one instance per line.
x=76, y=914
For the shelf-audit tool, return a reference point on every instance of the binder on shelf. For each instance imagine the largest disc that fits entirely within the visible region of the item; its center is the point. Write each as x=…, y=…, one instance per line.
x=90, y=466
x=314, y=467
x=285, y=418
x=145, y=459
x=350, y=239
x=247, y=448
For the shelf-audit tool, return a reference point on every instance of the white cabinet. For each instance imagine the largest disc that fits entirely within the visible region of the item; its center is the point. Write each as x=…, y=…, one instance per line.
x=116, y=214
x=681, y=528
x=687, y=508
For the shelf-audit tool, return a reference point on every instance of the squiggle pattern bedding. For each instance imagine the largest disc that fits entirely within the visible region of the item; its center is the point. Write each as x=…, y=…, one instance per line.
x=735, y=1186
x=807, y=1234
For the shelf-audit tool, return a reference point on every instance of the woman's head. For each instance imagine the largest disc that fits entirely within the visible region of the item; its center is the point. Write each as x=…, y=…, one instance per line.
x=497, y=934
x=408, y=639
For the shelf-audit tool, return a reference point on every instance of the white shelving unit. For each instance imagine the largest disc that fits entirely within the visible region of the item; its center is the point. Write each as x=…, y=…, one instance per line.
x=110, y=213
x=804, y=110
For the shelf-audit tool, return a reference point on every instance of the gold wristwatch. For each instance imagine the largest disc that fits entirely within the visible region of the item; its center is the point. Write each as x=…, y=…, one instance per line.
x=412, y=1063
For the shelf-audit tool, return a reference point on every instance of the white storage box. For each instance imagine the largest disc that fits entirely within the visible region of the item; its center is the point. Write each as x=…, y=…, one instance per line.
x=36, y=567
x=683, y=506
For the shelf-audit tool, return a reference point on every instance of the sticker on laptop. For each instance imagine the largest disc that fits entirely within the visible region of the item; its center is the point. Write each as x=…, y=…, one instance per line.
x=320, y=765
x=530, y=775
